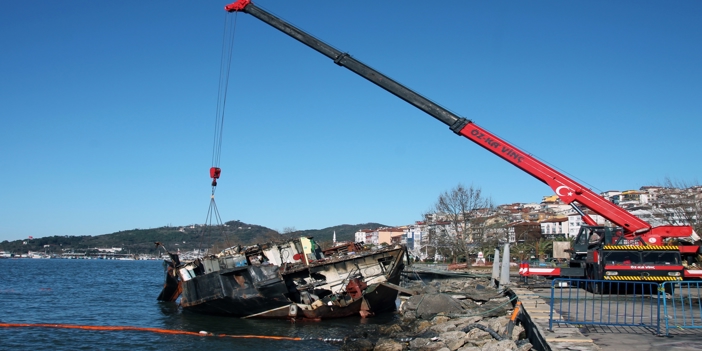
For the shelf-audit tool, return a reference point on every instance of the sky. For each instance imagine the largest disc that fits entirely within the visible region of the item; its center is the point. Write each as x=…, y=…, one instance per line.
x=107, y=108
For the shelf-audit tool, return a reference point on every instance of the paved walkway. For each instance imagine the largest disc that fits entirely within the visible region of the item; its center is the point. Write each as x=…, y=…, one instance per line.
x=641, y=339
x=570, y=337
x=560, y=338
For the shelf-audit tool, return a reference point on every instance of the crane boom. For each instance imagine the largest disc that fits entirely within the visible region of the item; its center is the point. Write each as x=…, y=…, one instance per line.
x=568, y=190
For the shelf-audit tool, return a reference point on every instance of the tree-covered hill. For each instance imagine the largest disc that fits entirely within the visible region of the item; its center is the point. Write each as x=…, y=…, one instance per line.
x=142, y=241
x=185, y=238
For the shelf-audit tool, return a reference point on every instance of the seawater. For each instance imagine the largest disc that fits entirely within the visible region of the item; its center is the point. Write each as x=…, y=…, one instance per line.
x=123, y=293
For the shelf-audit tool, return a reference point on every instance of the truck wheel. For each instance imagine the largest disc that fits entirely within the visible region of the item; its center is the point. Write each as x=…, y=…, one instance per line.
x=595, y=287
x=670, y=289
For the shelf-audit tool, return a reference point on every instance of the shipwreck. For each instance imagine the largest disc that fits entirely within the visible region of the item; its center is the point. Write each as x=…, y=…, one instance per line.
x=289, y=280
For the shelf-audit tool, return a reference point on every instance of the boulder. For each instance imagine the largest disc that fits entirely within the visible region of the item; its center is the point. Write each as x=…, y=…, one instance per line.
x=422, y=326
x=478, y=337
x=453, y=339
x=388, y=345
x=428, y=306
x=504, y=345
x=443, y=327
x=357, y=345
x=390, y=329
x=469, y=348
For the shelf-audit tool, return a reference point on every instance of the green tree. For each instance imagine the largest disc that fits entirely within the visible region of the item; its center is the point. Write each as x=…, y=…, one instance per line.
x=541, y=248
x=521, y=250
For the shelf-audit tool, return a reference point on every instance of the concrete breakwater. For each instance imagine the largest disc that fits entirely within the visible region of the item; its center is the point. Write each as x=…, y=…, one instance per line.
x=464, y=314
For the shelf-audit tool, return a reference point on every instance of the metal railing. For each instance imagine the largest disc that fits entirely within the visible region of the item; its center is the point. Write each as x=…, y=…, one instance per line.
x=431, y=266
x=605, y=302
x=682, y=305
x=675, y=304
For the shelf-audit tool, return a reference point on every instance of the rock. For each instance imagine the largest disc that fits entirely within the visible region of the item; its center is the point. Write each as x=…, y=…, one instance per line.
x=357, y=345
x=435, y=321
x=453, y=339
x=525, y=347
x=422, y=326
x=390, y=330
x=429, y=306
x=443, y=327
x=440, y=319
x=418, y=343
x=408, y=316
x=498, y=324
x=492, y=308
x=463, y=321
x=518, y=332
x=468, y=304
x=432, y=346
x=478, y=337
x=454, y=344
x=456, y=334
x=388, y=345
x=407, y=306
x=429, y=290
x=477, y=334
x=503, y=345
x=481, y=295
x=490, y=346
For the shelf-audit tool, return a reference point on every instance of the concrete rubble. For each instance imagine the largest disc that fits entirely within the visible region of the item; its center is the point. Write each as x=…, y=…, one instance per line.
x=463, y=314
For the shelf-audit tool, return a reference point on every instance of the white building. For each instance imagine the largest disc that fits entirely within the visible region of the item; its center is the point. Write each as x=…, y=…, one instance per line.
x=554, y=227
x=633, y=198
x=366, y=236
x=575, y=222
x=416, y=236
x=611, y=195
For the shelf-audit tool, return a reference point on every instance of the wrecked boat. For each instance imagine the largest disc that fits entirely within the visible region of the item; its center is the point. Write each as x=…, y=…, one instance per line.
x=289, y=280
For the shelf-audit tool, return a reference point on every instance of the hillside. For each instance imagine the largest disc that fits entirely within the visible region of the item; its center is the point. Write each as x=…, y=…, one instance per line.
x=185, y=238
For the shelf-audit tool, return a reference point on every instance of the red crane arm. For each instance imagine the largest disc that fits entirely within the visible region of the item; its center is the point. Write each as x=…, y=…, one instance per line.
x=567, y=189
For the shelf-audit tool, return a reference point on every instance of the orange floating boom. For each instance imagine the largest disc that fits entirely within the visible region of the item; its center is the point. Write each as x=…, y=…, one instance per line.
x=152, y=330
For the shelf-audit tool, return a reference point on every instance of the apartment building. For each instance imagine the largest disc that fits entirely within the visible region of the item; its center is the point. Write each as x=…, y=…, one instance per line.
x=554, y=228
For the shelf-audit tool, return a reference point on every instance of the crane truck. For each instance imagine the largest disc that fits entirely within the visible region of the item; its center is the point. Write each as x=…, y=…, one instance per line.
x=631, y=249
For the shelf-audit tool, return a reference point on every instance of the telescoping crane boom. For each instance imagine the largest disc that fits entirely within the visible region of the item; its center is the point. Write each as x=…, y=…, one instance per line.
x=569, y=191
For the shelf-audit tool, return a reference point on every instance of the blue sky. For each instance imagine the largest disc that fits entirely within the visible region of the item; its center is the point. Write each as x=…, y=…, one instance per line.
x=107, y=108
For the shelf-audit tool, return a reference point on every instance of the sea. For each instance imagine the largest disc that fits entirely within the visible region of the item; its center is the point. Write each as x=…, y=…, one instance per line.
x=123, y=293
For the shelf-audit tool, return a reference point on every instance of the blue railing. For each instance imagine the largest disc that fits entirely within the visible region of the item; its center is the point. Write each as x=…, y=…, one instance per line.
x=605, y=302
x=682, y=306
x=625, y=303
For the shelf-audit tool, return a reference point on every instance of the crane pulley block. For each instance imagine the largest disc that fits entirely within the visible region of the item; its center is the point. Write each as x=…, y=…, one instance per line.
x=215, y=172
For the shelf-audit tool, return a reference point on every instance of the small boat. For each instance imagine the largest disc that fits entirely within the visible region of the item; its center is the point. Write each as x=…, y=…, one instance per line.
x=289, y=280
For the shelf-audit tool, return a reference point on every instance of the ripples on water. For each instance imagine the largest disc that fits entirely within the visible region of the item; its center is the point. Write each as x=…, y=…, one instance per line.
x=123, y=293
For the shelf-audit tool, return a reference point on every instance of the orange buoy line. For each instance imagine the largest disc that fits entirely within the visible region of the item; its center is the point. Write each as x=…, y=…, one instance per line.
x=152, y=330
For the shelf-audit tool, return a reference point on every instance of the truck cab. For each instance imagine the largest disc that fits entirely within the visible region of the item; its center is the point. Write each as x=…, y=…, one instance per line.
x=607, y=255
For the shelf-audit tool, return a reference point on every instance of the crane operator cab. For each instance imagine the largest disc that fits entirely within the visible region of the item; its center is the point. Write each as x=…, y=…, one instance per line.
x=590, y=236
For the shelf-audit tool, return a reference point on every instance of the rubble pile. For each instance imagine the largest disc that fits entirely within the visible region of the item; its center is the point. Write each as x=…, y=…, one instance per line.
x=447, y=315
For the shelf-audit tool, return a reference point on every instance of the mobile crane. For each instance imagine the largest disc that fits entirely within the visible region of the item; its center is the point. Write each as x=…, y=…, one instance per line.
x=632, y=250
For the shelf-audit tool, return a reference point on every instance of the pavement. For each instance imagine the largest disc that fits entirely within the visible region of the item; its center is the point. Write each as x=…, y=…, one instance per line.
x=642, y=339
x=619, y=338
